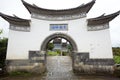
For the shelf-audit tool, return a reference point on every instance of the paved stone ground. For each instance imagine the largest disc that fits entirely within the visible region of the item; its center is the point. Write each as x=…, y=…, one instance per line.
x=60, y=68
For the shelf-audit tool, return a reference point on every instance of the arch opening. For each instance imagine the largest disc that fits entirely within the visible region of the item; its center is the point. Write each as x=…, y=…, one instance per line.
x=59, y=61
x=59, y=35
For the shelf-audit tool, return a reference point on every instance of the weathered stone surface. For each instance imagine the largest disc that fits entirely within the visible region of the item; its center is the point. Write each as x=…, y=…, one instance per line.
x=83, y=64
x=25, y=65
x=60, y=68
x=35, y=63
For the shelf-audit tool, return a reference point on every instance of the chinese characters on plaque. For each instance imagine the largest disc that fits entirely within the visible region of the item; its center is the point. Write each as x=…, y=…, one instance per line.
x=58, y=27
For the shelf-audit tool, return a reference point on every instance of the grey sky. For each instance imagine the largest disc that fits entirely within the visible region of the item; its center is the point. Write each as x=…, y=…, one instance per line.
x=16, y=7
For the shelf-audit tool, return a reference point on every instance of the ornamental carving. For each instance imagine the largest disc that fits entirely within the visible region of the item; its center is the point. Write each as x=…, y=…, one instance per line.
x=99, y=27
x=58, y=18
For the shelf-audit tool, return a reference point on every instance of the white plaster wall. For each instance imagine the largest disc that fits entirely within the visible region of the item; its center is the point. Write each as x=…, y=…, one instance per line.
x=97, y=43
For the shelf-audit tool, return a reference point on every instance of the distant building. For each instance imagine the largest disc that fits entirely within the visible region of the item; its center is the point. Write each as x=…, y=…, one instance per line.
x=57, y=44
x=64, y=47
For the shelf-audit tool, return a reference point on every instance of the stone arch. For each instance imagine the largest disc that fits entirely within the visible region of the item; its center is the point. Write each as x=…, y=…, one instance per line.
x=61, y=35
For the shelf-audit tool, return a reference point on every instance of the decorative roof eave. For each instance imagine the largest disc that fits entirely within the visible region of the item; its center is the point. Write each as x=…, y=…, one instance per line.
x=81, y=9
x=102, y=19
x=15, y=20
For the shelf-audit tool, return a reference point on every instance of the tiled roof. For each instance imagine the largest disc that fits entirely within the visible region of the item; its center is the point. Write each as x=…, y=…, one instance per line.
x=103, y=19
x=80, y=9
x=15, y=20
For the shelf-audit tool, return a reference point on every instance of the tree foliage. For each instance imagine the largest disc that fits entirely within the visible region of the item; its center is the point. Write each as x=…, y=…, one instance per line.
x=3, y=49
x=117, y=59
x=50, y=46
x=116, y=53
x=69, y=47
x=52, y=53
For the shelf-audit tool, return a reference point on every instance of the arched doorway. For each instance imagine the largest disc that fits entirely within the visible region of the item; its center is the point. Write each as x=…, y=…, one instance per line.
x=61, y=35
x=60, y=62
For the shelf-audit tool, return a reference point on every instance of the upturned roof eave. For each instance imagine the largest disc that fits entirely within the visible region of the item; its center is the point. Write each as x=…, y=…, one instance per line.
x=80, y=9
x=15, y=20
x=102, y=19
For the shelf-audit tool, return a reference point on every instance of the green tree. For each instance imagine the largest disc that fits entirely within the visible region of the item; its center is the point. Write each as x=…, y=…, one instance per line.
x=116, y=53
x=3, y=49
x=69, y=47
x=50, y=46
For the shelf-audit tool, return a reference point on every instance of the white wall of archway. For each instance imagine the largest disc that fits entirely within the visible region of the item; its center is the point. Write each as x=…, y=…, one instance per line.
x=97, y=43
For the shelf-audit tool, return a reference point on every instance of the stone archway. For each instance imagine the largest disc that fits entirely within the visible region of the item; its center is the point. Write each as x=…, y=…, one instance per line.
x=56, y=64
x=61, y=35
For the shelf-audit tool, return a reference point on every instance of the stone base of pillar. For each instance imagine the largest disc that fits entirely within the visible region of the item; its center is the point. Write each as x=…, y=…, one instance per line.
x=82, y=64
x=93, y=69
x=25, y=66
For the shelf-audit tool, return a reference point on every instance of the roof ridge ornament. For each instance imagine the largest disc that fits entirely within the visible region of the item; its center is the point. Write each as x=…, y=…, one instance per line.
x=35, y=5
x=16, y=16
x=81, y=5
x=101, y=15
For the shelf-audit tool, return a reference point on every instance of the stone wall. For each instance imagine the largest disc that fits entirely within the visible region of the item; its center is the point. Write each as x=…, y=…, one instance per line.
x=84, y=65
x=35, y=63
x=81, y=63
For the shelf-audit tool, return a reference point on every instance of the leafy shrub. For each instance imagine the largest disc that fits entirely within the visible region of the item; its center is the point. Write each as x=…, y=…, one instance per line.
x=117, y=59
x=20, y=73
x=58, y=51
x=50, y=46
x=116, y=51
x=52, y=53
x=64, y=53
x=3, y=49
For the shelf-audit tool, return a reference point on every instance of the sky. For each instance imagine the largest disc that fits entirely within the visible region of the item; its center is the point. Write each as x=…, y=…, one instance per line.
x=16, y=7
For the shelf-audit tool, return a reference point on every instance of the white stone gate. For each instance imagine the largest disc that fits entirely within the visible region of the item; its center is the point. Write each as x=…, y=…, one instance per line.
x=90, y=38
